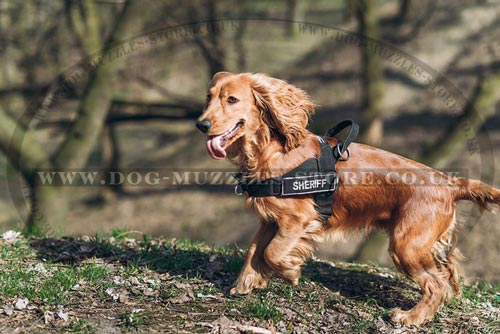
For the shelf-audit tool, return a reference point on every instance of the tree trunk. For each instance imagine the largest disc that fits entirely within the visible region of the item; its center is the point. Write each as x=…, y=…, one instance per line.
x=84, y=21
x=22, y=150
x=370, y=117
x=480, y=107
x=239, y=46
x=110, y=161
x=212, y=48
x=291, y=27
x=49, y=204
x=371, y=75
x=97, y=98
x=404, y=9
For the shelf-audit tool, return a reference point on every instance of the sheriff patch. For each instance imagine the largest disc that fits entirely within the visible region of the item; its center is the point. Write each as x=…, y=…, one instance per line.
x=310, y=184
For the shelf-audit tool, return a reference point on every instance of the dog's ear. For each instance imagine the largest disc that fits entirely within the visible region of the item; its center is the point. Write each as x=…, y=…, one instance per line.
x=284, y=108
x=217, y=76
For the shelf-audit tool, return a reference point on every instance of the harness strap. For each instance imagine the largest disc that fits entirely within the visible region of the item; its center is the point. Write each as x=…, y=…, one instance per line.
x=342, y=146
x=326, y=161
x=315, y=176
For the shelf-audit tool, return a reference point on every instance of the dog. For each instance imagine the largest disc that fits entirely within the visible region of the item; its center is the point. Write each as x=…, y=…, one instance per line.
x=260, y=124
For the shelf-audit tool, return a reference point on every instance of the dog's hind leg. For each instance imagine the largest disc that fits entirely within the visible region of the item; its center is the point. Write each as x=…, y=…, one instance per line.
x=447, y=255
x=452, y=271
x=255, y=271
x=412, y=250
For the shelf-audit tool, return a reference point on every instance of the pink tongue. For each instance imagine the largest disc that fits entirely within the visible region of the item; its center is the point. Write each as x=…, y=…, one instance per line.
x=215, y=149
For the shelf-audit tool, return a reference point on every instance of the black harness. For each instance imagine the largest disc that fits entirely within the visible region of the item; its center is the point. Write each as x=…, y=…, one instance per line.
x=314, y=176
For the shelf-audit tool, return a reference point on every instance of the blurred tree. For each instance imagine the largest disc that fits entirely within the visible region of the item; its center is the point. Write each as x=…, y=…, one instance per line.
x=110, y=160
x=211, y=47
x=84, y=22
x=294, y=12
x=371, y=74
x=49, y=204
x=239, y=46
x=479, y=108
x=411, y=17
x=371, y=111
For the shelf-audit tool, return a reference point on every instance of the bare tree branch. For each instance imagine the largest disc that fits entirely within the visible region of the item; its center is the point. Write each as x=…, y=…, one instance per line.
x=23, y=151
x=480, y=107
x=96, y=101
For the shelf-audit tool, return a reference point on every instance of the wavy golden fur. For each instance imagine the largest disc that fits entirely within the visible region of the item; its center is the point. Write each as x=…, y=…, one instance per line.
x=261, y=124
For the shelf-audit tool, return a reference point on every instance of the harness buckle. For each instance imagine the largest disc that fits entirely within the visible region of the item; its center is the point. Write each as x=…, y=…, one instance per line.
x=238, y=190
x=339, y=154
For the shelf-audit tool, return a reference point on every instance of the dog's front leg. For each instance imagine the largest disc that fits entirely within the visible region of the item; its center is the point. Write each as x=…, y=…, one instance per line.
x=255, y=271
x=288, y=250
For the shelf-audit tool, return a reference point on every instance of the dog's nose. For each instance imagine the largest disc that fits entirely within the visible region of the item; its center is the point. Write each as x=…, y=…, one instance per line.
x=204, y=125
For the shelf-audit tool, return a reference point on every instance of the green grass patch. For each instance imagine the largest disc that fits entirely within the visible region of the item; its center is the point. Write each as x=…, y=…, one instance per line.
x=133, y=320
x=483, y=292
x=47, y=285
x=79, y=326
x=94, y=273
x=264, y=309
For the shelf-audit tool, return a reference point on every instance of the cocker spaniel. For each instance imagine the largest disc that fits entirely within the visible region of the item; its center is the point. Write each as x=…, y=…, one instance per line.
x=260, y=124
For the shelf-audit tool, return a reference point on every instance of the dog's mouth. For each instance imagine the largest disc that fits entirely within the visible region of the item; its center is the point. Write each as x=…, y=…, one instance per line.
x=215, y=144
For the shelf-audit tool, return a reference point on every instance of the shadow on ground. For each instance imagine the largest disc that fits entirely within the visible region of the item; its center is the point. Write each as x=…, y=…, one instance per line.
x=221, y=266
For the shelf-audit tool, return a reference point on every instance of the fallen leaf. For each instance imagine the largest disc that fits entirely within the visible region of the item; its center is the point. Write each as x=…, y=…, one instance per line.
x=118, y=280
x=11, y=236
x=151, y=281
x=180, y=285
x=180, y=299
x=148, y=292
x=112, y=293
x=21, y=303
x=123, y=298
x=134, y=280
x=48, y=316
x=64, y=316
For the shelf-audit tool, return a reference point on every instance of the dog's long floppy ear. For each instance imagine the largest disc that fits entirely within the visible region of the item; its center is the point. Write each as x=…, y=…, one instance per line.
x=284, y=108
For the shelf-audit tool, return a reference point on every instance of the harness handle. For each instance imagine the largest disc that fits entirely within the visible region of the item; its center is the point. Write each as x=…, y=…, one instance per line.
x=342, y=145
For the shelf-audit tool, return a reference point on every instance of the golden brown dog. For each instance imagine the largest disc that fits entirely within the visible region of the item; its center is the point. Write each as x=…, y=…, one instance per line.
x=259, y=123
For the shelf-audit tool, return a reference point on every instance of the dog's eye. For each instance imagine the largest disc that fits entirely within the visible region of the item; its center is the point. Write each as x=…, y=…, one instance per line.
x=232, y=100
x=208, y=97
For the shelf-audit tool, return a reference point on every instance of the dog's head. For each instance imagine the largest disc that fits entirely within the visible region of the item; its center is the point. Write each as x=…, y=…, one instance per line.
x=239, y=106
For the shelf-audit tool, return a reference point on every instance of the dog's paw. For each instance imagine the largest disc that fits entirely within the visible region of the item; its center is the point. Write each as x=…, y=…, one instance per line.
x=407, y=317
x=236, y=291
x=246, y=284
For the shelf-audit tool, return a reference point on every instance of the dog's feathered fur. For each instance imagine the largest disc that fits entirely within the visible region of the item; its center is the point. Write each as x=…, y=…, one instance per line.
x=419, y=217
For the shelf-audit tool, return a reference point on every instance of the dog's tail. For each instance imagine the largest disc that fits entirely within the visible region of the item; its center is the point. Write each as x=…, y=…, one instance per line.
x=479, y=193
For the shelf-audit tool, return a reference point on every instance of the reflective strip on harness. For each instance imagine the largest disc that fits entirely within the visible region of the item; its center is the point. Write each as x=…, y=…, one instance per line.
x=310, y=184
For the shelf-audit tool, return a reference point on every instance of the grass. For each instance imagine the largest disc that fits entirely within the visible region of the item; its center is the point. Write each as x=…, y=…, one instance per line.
x=482, y=292
x=264, y=309
x=115, y=283
x=133, y=320
x=48, y=286
x=79, y=326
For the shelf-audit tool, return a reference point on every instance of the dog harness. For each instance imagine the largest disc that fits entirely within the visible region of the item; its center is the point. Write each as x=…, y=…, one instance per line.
x=316, y=175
